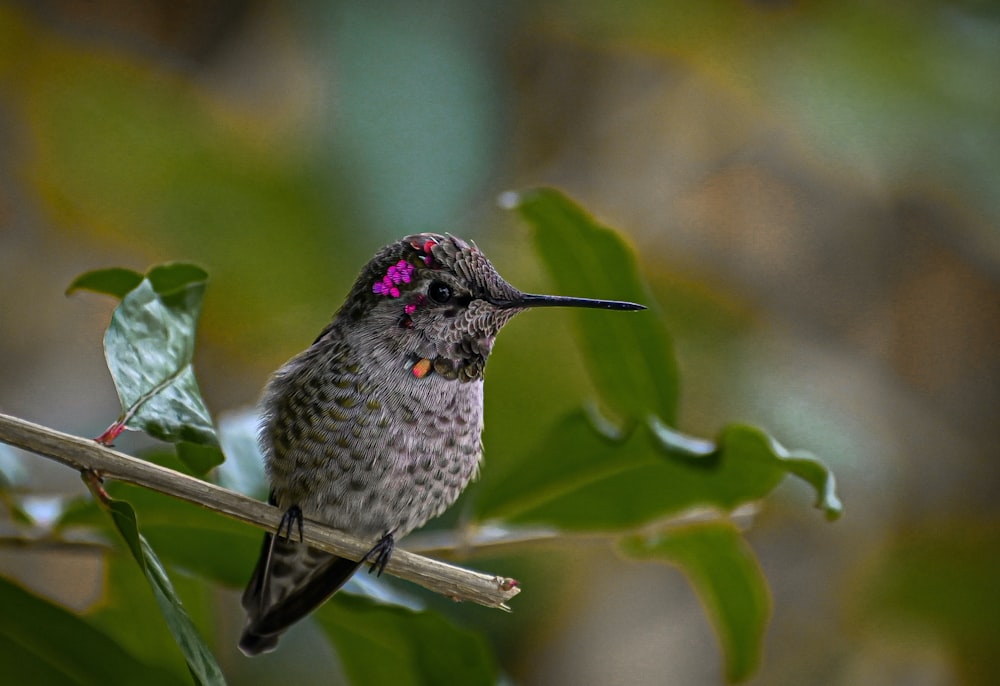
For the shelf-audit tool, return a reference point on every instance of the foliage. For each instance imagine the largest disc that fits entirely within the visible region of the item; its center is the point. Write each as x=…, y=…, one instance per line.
x=616, y=467
x=42, y=643
x=149, y=347
x=200, y=660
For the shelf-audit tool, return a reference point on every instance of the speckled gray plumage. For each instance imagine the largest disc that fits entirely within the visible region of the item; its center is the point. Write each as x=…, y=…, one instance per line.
x=354, y=438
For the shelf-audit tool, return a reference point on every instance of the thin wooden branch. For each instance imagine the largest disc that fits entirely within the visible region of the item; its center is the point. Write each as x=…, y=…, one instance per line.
x=85, y=455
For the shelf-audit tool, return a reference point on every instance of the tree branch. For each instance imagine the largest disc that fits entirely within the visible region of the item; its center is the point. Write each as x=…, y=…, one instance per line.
x=86, y=455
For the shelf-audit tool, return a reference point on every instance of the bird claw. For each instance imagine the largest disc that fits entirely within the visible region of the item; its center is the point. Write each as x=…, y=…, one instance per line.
x=292, y=516
x=380, y=554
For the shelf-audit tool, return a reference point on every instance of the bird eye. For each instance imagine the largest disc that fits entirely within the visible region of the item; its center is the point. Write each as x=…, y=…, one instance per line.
x=439, y=292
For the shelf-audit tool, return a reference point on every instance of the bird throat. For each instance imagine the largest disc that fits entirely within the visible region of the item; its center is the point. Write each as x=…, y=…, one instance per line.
x=463, y=369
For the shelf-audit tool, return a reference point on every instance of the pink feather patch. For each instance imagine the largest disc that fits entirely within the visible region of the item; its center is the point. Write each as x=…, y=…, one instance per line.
x=399, y=273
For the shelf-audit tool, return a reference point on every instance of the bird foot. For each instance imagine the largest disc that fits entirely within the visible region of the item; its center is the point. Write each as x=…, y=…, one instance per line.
x=380, y=554
x=292, y=517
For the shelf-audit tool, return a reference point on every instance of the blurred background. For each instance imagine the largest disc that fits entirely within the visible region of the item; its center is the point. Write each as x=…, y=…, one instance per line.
x=813, y=189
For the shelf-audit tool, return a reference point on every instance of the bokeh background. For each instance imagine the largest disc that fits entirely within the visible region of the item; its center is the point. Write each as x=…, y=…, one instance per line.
x=813, y=188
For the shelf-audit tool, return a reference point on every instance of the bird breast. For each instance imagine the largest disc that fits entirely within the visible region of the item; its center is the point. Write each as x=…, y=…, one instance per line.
x=365, y=451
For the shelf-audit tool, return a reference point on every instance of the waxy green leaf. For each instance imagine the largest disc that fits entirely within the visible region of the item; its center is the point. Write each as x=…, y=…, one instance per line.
x=183, y=534
x=379, y=643
x=579, y=480
x=748, y=443
x=727, y=578
x=631, y=360
x=128, y=611
x=43, y=643
x=114, y=281
x=630, y=356
x=200, y=660
x=149, y=348
x=624, y=465
x=573, y=459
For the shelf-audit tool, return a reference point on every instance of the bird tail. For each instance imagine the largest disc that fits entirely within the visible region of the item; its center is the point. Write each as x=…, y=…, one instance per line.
x=290, y=580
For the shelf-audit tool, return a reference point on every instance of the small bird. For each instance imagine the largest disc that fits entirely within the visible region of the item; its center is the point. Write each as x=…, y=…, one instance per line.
x=377, y=426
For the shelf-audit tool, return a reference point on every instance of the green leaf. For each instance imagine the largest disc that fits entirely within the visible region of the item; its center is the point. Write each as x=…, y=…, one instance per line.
x=727, y=578
x=190, y=537
x=199, y=658
x=579, y=480
x=128, y=611
x=572, y=458
x=743, y=442
x=938, y=578
x=114, y=281
x=149, y=347
x=42, y=643
x=243, y=470
x=387, y=644
x=630, y=356
x=199, y=457
x=184, y=535
x=177, y=278
x=632, y=363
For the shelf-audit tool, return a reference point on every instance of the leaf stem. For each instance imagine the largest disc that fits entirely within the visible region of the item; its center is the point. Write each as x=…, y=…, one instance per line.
x=95, y=483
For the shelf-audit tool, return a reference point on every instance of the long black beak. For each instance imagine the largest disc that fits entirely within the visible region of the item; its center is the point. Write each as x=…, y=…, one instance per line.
x=530, y=300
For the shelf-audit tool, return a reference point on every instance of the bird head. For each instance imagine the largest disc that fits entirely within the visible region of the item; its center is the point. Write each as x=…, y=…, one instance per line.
x=438, y=303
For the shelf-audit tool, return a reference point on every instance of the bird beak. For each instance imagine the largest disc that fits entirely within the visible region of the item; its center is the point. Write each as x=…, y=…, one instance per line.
x=530, y=300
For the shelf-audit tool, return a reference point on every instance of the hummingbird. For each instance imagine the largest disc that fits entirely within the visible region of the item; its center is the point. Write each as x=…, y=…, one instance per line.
x=377, y=426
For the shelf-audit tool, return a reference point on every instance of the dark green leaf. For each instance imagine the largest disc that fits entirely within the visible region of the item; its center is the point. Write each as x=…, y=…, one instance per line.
x=29, y=670
x=742, y=442
x=176, y=277
x=185, y=536
x=629, y=355
x=199, y=658
x=387, y=644
x=149, y=347
x=573, y=457
x=725, y=574
x=190, y=537
x=582, y=482
x=115, y=281
x=632, y=363
x=199, y=457
x=42, y=643
x=128, y=611
x=939, y=579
